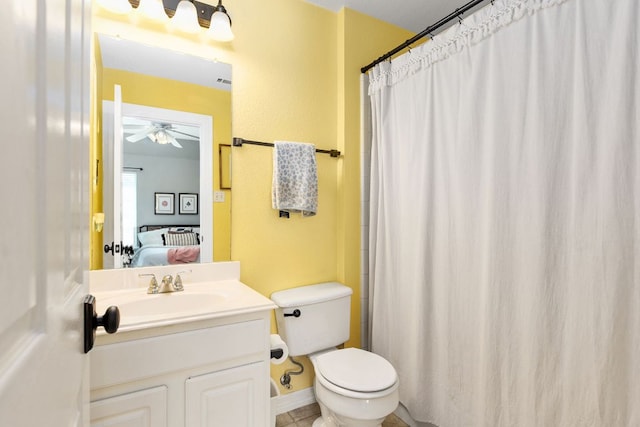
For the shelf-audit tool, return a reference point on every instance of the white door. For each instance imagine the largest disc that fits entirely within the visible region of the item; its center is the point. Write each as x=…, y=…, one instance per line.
x=44, y=104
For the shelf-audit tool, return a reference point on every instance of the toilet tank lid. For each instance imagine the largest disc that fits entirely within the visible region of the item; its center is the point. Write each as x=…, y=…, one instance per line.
x=310, y=294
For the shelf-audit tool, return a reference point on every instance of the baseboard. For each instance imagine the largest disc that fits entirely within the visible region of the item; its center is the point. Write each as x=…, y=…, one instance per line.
x=290, y=401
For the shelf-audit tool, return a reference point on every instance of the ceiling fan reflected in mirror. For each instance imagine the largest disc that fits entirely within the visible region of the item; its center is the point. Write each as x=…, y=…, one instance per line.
x=160, y=133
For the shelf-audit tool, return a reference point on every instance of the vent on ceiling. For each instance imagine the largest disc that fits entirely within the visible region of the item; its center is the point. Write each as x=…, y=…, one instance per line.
x=224, y=81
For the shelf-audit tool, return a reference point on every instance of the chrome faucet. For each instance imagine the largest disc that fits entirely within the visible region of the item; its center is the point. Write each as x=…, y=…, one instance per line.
x=167, y=285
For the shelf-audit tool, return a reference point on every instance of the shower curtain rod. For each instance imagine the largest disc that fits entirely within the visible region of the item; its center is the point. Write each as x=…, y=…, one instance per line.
x=426, y=32
x=237, y=142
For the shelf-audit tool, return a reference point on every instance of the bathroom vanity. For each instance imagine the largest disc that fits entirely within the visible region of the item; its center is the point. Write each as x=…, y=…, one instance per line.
x=199, y=357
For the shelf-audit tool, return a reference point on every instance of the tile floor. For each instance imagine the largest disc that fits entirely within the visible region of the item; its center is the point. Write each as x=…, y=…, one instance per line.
x=305, y=416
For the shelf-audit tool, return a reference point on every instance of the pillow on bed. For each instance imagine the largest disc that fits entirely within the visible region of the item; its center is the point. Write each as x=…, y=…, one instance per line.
x=152, y=238
x=180, y=239
x=180, y=229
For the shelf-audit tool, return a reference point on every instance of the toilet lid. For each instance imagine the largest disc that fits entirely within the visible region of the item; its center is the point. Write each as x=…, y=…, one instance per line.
x=356, y=370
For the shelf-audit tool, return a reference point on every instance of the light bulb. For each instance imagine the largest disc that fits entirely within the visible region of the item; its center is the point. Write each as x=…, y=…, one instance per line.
x=220, y=27
x=186, y=17
x=153, y=9
x=162, y=137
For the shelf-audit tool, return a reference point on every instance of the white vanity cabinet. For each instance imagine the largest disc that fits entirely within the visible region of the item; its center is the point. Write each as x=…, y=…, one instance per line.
x=225, y=398
x=212, y=372
x=145, y=408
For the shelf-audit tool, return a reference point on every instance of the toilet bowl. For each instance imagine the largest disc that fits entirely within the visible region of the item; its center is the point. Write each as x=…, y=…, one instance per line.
x=354, y=387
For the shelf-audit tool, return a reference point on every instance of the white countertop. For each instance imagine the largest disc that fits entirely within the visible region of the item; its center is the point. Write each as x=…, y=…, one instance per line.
x=211, y=291
x=198, y=301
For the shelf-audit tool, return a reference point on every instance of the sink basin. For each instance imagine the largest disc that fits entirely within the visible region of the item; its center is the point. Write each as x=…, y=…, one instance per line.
x=170, y=304
x=198, y=301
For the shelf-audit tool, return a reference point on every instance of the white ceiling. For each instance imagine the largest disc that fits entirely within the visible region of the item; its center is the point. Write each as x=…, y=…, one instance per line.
x=413, y=15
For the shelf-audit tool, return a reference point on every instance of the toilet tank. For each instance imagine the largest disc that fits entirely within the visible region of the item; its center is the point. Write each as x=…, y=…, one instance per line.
x=313, y=317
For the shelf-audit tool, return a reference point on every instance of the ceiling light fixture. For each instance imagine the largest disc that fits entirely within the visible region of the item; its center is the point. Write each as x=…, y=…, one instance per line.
x=161, y=137
x=160, y=133
x=220, y=26
x=189, y=16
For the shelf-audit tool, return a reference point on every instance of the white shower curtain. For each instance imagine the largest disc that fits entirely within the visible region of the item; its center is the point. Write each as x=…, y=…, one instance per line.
x=505, y=217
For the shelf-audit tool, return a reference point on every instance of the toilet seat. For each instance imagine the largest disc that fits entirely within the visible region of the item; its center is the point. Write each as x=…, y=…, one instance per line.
x=355, y=370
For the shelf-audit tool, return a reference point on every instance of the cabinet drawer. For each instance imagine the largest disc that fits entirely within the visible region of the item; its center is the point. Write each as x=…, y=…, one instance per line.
x=134, y=360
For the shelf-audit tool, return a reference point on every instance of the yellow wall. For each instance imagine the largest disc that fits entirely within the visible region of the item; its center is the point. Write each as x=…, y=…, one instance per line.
x=296, y=69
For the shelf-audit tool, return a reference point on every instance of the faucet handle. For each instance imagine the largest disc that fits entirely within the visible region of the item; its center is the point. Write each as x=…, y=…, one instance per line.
x=153, y=283
x=177, y=285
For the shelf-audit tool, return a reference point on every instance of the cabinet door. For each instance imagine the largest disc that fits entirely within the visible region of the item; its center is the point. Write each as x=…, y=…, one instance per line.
x=145, y=408
x=235, y=397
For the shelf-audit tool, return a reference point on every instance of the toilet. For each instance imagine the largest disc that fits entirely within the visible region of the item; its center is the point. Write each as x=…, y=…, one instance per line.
x=353, y=387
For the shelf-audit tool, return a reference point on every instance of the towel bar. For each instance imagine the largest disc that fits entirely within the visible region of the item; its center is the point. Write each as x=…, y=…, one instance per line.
x=238, y=142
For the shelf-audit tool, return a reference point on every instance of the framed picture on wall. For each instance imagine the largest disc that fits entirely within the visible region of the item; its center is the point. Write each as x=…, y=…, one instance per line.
x=188, y=204
x=164, y=203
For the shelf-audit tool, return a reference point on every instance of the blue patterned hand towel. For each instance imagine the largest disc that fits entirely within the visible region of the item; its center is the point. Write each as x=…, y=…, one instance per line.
x=295, y=178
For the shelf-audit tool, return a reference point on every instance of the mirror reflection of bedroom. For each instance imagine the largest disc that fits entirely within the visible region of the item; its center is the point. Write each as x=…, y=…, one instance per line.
x=166, y=156
x=160, y=172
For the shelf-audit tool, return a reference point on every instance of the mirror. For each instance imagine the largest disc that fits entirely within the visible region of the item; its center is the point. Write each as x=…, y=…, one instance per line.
x=158, y=183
